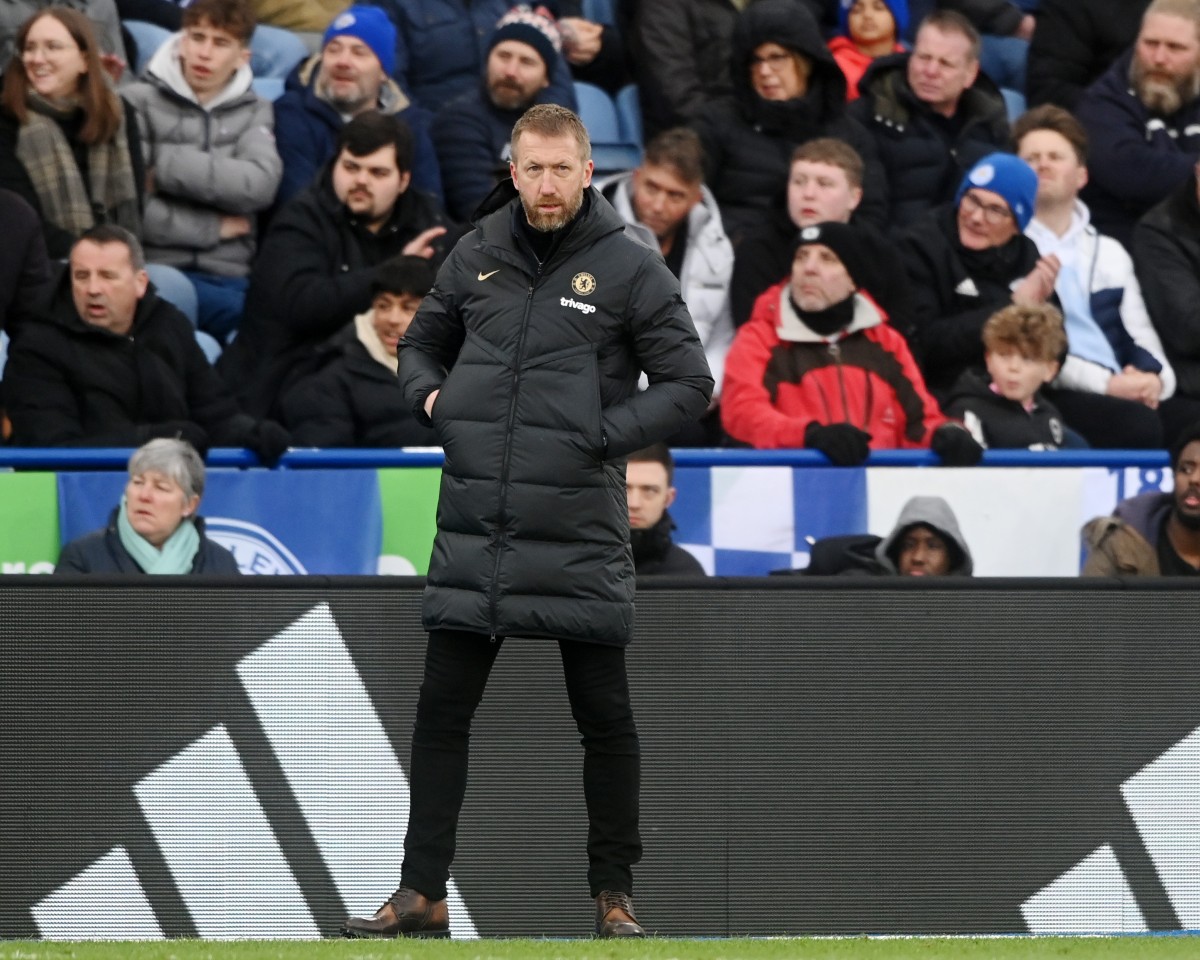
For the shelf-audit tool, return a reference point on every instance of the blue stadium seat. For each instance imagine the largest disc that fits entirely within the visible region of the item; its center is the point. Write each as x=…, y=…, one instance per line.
x=629, y=114
x=611, y=151
x=598, y=11
x=269, y=88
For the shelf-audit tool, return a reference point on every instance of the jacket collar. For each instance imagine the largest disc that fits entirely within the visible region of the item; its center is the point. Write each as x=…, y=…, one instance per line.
x=794, y=330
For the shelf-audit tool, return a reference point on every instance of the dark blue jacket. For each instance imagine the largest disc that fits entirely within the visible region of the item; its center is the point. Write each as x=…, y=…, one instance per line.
x=1135, y=159
x=101, y=551
x=306, y=131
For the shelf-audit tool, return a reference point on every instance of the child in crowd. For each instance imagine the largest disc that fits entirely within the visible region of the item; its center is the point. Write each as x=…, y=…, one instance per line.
x=1023, y=349
x=868, y=29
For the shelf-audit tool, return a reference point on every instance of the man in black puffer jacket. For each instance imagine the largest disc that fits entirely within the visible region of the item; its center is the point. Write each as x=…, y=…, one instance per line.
x=525, y=358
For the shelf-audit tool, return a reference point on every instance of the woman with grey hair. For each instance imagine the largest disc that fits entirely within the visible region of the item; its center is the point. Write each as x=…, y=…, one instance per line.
x=155, y=529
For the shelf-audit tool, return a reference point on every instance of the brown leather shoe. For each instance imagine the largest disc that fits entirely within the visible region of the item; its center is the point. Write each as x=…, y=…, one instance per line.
x=406, y=913
x=614, y=916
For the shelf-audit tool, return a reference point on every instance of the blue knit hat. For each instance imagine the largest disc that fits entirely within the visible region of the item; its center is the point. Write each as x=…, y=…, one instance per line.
x=370, y=25
x=1009, y=176
x=899, y=10
x=534, y=26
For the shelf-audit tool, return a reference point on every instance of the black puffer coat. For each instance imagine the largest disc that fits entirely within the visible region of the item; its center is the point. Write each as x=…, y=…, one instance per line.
x=748, y=141
x=101, y=551
x=538, y=408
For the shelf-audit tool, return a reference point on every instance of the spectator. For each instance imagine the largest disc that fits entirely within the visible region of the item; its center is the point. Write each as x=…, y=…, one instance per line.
x=1143, y=145
x=1005, y=31
x=867, y=30
x=649, y=485
x=112, y=365
x=346, y=79
x=789, y=90
x=103, y=16
x=1074, y=43
x=818, y=367
x=931, y=115
x=471, y=133
x=314, y=272
x=211, y=157
x=1116, y=379
x=825, y=184
x=596, y=52
x=1006, y=409
x=354, y=399
x=68, y=144
x=1153, y=534
x=926, y=542
x=155, y=529
x=24, y=267
x=666, y=206
x=1166, y=251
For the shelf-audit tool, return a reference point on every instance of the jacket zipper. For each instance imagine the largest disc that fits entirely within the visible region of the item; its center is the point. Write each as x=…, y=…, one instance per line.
x=836, y=352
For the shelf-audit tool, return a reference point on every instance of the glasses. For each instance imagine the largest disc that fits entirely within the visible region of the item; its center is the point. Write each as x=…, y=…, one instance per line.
x=776, y=61
x=993, y=213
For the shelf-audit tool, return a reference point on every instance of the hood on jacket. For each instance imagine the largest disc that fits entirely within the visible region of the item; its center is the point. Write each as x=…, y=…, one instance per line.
x=790, y=25
x=165, y=69
x=935, y=513
x=1146, y=513
x=618, y=190
x=793, y=329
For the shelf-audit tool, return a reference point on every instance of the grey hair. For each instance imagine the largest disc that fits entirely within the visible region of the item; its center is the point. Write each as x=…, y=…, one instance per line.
x=178, y=459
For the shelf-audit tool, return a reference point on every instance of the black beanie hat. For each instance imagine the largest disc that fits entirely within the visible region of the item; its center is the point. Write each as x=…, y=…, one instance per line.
x=848, y=242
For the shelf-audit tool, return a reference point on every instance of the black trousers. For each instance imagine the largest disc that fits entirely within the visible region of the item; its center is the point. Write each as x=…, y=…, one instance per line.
x=457, y=665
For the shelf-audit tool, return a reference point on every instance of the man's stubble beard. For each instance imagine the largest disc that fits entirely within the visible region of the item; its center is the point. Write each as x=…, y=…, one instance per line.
x=549, y=222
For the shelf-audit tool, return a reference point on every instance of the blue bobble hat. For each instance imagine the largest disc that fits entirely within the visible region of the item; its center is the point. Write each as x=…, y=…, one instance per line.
x=370, y=25
x=1009, y=176
x=899, y=10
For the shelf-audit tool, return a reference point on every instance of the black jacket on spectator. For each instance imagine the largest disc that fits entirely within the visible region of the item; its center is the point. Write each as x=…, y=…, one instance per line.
x=954, y=291
x=101, y=551
x=312, y=277
x=1166, y=253
x=1074, y=43
x=924, y=154
x=353, y=400
x=1002, y=424
x=656, y=554
x=999, y=18
x=748, y=141
x=71, y=384
x=24, y=267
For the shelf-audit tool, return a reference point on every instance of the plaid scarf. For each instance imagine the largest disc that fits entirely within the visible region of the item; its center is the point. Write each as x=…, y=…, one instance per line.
x=110, y=195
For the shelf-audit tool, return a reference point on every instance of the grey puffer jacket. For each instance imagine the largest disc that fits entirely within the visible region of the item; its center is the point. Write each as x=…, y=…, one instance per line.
x=538, y=407
x=208, y=160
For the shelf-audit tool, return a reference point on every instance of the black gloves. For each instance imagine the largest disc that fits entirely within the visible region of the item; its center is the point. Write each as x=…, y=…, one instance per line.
x=955, y=445
x=270, y=441
x=843, y=444
x=193, y=433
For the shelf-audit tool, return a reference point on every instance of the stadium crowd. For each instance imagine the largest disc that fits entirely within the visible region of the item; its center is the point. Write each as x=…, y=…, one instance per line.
x=952, y=225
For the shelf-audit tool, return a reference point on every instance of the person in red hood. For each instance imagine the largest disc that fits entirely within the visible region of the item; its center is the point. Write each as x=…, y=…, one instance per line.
x=868, y=29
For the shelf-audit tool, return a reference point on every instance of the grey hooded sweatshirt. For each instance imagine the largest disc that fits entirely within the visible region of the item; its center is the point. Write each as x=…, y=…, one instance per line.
x=933, y=512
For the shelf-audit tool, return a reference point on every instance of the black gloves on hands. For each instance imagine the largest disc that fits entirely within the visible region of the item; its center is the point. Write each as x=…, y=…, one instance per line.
x=270, y=441
x=955, y=445
x=843, y=444
x=186, y=430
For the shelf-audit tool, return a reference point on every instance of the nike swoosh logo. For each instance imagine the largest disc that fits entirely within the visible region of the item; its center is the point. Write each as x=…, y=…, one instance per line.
x=484, y=276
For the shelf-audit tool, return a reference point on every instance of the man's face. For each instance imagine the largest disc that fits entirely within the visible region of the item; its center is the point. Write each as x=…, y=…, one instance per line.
x=369, y=186
x=351, y=75
x=820, y=193
x=662, y=199
x=1165, y=70
x=550, y=175
x=516, y=74
x=210, y=57
x=1016, y=376
x=1187, y=486
x=391, y=313
x=776, y=73
x=1060, y=174
x=941, y=68
x=648, y=491
x=923, y=553
x=819, y=278
x=984, y=220
x=104, y=285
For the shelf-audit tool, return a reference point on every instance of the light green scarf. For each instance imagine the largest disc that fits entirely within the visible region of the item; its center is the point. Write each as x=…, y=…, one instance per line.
x=177, y=555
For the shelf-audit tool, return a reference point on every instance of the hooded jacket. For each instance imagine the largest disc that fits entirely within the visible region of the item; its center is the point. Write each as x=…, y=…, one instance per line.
x=748, y=141
x=781, y=376
x=924, y=155
x=101, y=551
x=307, y=127
x=655, y=554
x=209, y=160
x=998, y=423
x=1135, y=158
x=707, y=267
x=312, y=277
x=71, y=384
x=1126, y=544
x=537, y=367
x=935, y=513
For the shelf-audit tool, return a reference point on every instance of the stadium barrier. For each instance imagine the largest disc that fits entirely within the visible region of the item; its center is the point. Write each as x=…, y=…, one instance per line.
x=227, y=759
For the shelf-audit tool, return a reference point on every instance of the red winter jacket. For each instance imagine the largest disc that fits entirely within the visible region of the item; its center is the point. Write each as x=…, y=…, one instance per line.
x=853, y=62
x=780, y=376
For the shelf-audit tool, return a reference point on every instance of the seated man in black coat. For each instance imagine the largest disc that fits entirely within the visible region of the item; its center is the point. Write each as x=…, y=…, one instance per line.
x=112, y=365
x=317, y=262
x=649, y=479
x=355, y=399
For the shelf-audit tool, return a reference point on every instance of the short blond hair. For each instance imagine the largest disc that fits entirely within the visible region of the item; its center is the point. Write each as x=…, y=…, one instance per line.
x=551, y=120
x=1034, y=332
